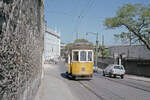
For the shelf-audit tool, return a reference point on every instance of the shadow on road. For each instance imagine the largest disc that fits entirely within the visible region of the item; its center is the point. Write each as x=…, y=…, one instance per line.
x=64, y=75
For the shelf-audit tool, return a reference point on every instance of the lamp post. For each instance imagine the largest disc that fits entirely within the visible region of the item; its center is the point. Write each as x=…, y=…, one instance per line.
x=96, y=60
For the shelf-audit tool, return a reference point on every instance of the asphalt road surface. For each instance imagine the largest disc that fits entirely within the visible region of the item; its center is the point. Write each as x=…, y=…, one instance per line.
x=104, y=88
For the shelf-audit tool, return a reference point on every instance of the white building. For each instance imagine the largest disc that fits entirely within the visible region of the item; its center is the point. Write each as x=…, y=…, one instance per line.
x=51, y=45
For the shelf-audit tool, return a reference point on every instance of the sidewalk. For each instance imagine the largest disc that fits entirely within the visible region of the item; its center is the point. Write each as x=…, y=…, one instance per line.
x=53, y=87
x=139, y=78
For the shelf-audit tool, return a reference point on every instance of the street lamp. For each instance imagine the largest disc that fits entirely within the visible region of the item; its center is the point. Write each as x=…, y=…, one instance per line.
x=96, y=46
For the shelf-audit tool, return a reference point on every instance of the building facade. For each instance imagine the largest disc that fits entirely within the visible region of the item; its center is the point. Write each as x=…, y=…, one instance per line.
x=51, y=45
x=63, y=50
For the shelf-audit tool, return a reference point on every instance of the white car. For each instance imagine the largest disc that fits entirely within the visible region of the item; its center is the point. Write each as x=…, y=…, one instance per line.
x=114, y=70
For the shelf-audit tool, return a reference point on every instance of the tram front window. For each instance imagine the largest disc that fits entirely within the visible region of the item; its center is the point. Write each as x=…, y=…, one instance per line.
x=83, y=56
x=89, y=56
x=75, y=56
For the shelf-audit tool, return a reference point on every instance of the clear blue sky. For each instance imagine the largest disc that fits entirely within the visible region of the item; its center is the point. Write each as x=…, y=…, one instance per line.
x=72, y=16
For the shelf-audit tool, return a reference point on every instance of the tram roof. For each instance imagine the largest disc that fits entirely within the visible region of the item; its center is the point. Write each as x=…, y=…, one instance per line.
x=82, y=45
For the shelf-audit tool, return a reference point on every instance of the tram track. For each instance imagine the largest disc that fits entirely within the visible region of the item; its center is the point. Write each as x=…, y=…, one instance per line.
x=91, y=90
x=131, y=84
x=88, y=85
x=92, y=87
x=128, y=83
x=106, y=92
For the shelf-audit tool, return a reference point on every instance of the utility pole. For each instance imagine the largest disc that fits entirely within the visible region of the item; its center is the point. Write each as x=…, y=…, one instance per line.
x=102, y=47
x=96, y=59
x=86, y=36
x=96, y=50
x=102, y=40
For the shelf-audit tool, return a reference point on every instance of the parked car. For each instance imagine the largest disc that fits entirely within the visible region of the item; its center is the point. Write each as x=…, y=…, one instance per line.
x=114, y=70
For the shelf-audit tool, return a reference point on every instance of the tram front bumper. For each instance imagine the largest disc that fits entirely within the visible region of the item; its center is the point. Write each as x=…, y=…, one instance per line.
x=89, y=75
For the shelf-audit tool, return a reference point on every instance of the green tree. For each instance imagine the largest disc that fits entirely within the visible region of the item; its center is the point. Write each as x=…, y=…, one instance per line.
x=126, y=37
x=69, y=45
x=80, y=40
x=104, y=51
x=83, y=40
x=136, y=19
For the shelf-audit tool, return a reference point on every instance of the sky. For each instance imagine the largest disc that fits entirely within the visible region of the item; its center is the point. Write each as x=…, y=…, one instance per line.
x=70, y=17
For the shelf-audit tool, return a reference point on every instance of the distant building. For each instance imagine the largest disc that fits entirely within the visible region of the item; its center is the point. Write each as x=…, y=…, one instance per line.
x=63, y=50
x=51, y=45
x=62, y=45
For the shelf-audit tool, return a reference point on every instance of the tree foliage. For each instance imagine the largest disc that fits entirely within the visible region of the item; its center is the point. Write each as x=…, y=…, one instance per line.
x=80, y=40
x=69, y=45
x=126, y=37
x=104, y=51
x=136, y=19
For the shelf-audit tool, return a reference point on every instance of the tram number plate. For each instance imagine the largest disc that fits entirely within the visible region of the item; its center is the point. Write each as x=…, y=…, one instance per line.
x=83, y=69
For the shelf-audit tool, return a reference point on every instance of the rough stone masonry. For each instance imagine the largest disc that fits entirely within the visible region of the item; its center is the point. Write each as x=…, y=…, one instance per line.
x=21, y=48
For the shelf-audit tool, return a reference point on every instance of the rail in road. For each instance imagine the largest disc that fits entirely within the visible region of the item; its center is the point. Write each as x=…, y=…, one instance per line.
x=106, y=88
x=91, y=90
x=90, y=85
x=132, y=84
x=129, y=82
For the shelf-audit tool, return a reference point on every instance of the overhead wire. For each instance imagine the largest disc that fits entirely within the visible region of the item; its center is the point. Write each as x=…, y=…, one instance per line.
x=78, y=21
x=82, y=14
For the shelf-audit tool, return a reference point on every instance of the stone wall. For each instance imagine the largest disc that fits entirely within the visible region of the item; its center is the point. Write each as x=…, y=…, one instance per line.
x=132, y=66
x=104, y=62
x=21, y=48
x=137, y=67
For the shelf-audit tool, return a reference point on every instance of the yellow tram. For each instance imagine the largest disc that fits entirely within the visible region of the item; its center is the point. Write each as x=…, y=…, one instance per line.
x=80, y=61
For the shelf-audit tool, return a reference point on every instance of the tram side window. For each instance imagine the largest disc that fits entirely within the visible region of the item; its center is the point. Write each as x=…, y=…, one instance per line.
x=89, y=56
x=83, y=56
x=75, y=56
